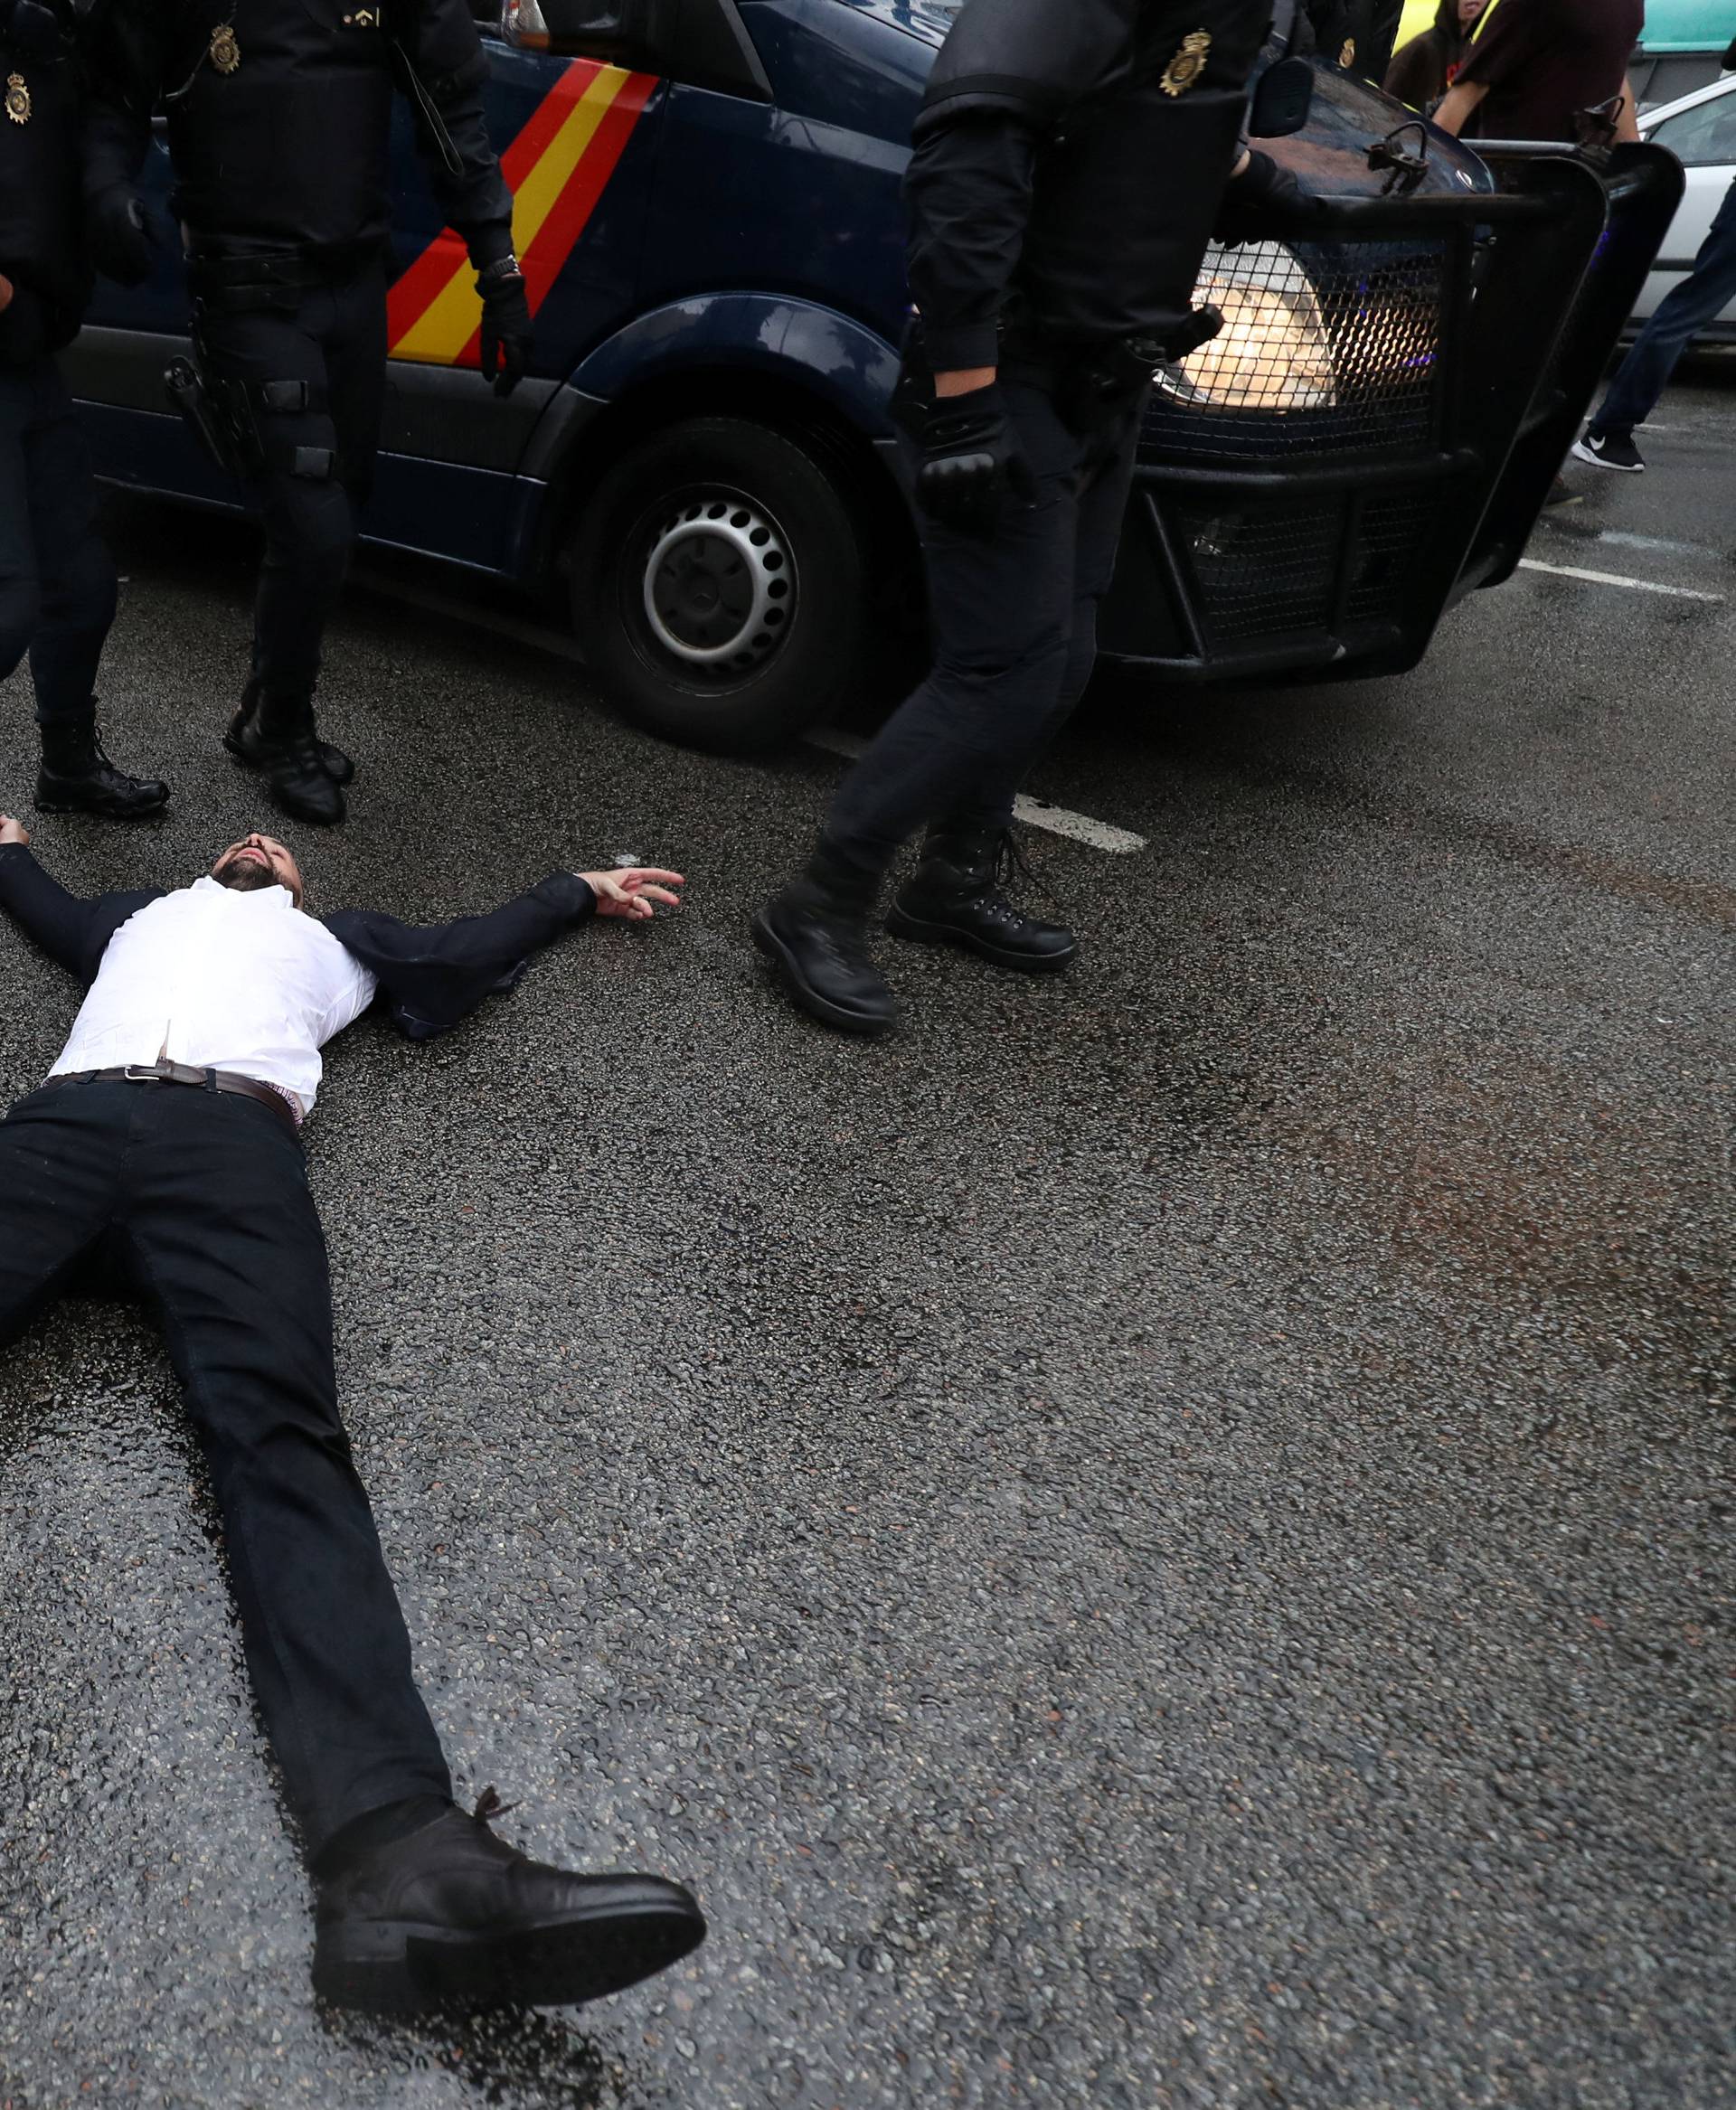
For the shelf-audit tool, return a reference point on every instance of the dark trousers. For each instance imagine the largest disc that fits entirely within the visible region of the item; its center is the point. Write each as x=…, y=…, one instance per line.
x=1685, y=311
x=202, y=1198
x=317, y=458
x=1014, y=619
x=57, y=579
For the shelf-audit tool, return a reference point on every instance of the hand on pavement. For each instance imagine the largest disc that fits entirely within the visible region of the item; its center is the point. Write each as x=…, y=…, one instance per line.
x=13, y=831
x=630, y=889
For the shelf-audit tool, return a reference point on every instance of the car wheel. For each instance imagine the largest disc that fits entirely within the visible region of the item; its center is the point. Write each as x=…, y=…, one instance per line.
x=719, y=585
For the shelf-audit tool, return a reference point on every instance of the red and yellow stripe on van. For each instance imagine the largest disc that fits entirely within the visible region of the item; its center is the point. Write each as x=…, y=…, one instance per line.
x=556, y=169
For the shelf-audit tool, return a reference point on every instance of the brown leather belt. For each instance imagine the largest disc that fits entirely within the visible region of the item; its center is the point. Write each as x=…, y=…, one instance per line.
x=210, y=1080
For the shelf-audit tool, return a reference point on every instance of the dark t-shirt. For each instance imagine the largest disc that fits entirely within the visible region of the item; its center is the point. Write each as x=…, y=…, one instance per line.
x=1545, y=61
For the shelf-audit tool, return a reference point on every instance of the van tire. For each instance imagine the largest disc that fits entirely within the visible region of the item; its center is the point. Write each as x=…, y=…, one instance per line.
x=760, y=563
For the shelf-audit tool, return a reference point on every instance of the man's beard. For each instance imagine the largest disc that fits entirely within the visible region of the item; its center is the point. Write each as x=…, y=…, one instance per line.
x=244, y=874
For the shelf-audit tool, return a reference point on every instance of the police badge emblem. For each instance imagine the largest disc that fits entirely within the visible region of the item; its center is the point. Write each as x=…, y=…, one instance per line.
x=17, y=99
x=1348, y=57
x=225, y=52
x=1185, y=68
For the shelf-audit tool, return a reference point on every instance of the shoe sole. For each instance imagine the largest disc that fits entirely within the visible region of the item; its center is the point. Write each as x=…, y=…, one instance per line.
x=105, y=813
x=1583, y=453
x=810, y=1000
x=901, y=923
x=404, y=1967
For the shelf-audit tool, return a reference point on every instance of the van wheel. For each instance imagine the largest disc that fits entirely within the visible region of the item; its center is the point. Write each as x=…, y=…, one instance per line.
x=719, y=585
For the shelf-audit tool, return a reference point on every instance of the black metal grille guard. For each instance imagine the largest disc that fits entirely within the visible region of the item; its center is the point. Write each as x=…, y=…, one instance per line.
x=1322, y=523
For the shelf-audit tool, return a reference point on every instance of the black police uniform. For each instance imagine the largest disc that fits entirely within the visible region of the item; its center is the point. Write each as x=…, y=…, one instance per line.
x=1070, y=167
x=56, y=582
x=279, y=126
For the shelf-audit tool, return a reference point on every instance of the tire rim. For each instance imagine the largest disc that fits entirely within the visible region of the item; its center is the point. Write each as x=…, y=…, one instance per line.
x=720, y=585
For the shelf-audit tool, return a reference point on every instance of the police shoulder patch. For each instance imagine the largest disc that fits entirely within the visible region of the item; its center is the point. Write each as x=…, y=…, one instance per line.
x=1185, y=68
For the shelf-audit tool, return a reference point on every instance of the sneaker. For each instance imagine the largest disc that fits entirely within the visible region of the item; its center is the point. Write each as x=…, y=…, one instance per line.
x=1610, y=450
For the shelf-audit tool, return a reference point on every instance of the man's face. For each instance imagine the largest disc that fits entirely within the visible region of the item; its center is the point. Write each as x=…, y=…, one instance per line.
x=256, y=862
x=1468, y=11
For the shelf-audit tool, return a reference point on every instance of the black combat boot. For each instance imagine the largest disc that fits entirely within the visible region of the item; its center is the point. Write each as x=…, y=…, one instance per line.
x=77, y=776
x=816, y=931
x=242, y=730
x=450, y=1912
x=277, y=737
x=953, y=896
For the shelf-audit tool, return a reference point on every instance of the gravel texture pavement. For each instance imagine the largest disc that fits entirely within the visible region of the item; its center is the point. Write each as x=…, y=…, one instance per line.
x=1162, y=1540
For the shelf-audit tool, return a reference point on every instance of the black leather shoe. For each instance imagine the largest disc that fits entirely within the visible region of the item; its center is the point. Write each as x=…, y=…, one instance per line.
x=816, y=932
x=77, y=776
x=242, y=739
x=451, y=1913
x=954, y=898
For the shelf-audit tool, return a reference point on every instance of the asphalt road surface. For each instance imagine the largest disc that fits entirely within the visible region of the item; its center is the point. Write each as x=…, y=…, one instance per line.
x=1163, y=1539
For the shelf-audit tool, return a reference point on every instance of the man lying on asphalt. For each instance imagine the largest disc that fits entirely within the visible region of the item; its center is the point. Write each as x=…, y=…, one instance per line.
x=165, y=1140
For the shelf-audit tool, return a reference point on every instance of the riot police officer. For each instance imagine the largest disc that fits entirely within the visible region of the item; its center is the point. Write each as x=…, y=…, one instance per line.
x=1071, y=159
x=279, y=119
x=56, y=582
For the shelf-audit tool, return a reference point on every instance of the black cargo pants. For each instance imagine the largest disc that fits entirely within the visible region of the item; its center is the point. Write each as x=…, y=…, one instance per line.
x=202, y=1198
x=312, y=361
x=1015, y=620
x=57, y=578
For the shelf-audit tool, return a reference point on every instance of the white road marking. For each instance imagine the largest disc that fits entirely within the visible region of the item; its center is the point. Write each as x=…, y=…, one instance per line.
x=1058, y=820
x=1684, y=593
x=1618, y=538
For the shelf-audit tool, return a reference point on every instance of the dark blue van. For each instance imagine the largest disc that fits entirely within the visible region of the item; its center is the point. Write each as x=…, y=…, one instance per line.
x=701, y=469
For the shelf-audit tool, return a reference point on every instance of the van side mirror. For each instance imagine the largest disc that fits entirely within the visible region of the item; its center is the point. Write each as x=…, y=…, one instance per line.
x=1283, y=98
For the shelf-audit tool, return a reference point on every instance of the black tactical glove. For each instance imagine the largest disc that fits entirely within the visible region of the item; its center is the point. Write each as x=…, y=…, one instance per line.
x=971, y=459
x=1266, y=204
x=122, y=241
x=505, y=329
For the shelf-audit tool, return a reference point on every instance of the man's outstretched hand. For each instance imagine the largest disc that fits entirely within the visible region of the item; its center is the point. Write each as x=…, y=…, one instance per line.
x=628, y=891
x=13, y=831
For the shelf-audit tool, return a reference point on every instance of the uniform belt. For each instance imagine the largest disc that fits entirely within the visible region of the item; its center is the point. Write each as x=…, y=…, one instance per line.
x=210, y=1080
x=297, y=268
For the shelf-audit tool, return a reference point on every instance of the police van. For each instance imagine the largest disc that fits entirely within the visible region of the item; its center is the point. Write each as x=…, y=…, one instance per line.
x=700, y=471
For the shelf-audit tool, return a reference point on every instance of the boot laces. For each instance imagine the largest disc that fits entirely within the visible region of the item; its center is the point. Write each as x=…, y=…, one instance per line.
x=489, y=1806
x=1010, y=864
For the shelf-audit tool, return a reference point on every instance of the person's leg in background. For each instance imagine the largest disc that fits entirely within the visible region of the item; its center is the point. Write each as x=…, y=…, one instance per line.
x=352, y=344
x=279, y=356
x=1643, y=375
x=1001, y=606
x=57, y=593
x=955, y=895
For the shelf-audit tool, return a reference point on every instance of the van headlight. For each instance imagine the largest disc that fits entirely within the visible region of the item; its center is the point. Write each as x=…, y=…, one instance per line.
x=1273, y=353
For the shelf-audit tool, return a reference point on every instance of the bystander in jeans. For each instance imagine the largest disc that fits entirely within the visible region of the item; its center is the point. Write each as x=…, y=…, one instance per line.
x=1641, y=378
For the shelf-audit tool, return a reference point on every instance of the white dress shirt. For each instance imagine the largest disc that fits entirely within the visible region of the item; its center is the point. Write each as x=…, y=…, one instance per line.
x=224, y=981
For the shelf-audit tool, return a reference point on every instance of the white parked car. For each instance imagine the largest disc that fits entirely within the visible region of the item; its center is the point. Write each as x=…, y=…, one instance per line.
x=1700, y=130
